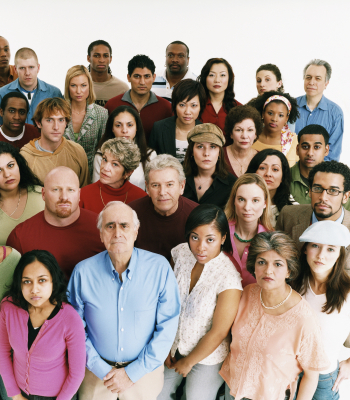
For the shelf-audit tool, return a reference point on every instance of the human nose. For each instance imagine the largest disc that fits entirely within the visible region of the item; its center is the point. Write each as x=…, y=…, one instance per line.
x=124, y=128
x=162, y=190
x=216, y=78
x=34, y=288
x=142, y=80
x=26, y=71
x=269, y=268
x=16, y=116
x=323, y=195
x=200, y=246
x=55, y=125
x=268, y=172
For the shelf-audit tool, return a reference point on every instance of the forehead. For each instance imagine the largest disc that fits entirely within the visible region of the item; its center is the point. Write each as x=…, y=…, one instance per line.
x=272, y=160
x=176, y=49
x=36, y=268
x=64, y=179
x=218, y=68
x=27, y=62
x=5, y=158
x=118, y=214
x=124, y=116
x=271, y=255
x=276, y=106
x=15, y=102
x=163, y=175
x=57, y=115
x=205, y=230
x=250, y=190
x=245, y=122
x=312, y=139
x=141, y=71
x=328, y=179
x=316, y=70
x=265, y=74
x=79, y=79
x=194, y=99
x=4, y=42
x=100, y=48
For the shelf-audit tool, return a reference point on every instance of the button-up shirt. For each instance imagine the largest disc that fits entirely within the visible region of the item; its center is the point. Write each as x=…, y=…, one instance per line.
x=339, y=220
x=330, y=116
x=133, y=319
x=298, y=189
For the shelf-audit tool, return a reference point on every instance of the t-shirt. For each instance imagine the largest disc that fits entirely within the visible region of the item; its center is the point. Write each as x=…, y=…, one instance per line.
x=104, y=91
x=181, y=147
x=69, y=244
x=29, y=133
x=158, y=233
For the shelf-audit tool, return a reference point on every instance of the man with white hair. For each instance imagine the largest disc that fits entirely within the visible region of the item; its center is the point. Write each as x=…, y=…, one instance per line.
x=315, y=108
x=129, y=302
x=164, y=213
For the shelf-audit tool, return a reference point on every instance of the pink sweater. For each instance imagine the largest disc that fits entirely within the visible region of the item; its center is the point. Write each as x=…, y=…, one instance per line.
x=45, y=369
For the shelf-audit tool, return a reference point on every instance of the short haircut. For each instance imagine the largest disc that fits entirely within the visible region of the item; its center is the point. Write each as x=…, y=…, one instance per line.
x=52, y=106
x=112, y=203
x=323, y=63
x=207, y=214
x=78, y=70
x=279, y=242
x=9, y=95
x=140, y=61
x=250, y=179
x=314, y=129
x=125, y=151
x=179, y=42
x=331, y=167
x=275, y=70
x=163, y=161
x=97, y=43
x=25, y=53
x=187, y=89
x=239, y=114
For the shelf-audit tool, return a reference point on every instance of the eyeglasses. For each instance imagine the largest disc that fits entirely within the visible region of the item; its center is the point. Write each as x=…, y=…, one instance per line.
x=331, y=191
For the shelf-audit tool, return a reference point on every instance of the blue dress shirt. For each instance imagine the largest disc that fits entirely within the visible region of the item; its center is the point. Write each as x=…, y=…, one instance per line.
x=327, y=114
x=339, y=220
x=135, y=319
x=43, y=91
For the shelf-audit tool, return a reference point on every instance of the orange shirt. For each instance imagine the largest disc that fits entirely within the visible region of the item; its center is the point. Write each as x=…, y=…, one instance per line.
x=12, y=77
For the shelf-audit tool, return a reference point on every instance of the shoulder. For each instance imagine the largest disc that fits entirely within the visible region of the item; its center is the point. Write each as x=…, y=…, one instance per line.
x=100, y=111
x=116, y=99
x=70, y=314
x=87, y=216
x=89, y=189
x=163, y=102
x=73, y=146
x=53, y=89
x=231, y=179
x=188, y=205
x=333, y=107
x=10, y=87
x=151, y=260
x=170, y=121
x=140, y=204
x=34, y=222
x=89, y=265
x=296, y=210
x=180, y=251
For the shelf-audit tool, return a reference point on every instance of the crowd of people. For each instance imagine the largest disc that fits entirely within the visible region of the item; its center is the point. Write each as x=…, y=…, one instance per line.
x=164, y=241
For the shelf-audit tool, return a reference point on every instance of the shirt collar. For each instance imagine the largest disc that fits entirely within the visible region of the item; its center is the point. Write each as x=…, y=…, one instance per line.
x=131, y=267
x=152, y=99
x=323, y=104
x=339, y=220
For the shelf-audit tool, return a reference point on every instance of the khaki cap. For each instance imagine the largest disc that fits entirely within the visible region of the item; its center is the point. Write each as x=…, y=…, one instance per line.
x=209, y=133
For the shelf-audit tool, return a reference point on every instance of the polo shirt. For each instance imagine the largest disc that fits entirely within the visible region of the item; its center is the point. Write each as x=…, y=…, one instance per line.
x=327, y=114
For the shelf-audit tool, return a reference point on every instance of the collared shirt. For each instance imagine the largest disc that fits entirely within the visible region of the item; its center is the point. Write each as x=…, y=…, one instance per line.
x=339, y=220
x=298, y=189
x=161, y=86
x=12, y=76
x=330, y=116
x=133, y=319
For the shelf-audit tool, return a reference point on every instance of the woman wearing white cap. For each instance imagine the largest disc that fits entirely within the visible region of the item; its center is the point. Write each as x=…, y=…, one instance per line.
x=325, y=284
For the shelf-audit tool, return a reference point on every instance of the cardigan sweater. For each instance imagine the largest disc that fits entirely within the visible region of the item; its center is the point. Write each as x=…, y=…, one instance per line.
x=54, y=365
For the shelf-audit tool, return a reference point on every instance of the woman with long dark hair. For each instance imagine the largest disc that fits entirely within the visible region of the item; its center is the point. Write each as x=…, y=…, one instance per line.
x=20, y=191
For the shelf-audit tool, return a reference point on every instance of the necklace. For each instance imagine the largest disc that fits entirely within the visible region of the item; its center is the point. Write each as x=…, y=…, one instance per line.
x=277, y=305
x=241, y=165
x=104, y=202
x=243, y=240
x=76, y=112
x=19, y=199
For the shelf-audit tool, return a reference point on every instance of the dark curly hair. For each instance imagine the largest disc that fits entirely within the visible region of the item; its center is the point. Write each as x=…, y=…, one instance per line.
x=187, y=89
x=59, y=284
x=9, y=95
x=229, y=98
x=98, y=43
x=239, y=114
x=275, y=70
x=282, y=196
x=260, y=101
x=140, y=138
x=331, y=167
x=28, y=180
x=140, y=61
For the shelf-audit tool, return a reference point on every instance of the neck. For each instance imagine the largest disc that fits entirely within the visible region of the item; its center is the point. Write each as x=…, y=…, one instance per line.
x=100, y=76
x=5, y=195
x=174, y=78
x=333, y=217
x=52, y=219
x=185, y=127
x=120, y=261
x=50, y=146
x=318, y=282
x=5, y=72
x=9, y=133
x=246, y=230
x=240, y=153
x=78, y=106
x=41, y=310
x=303, y=170
x=275, y=296
x=272, y=195
x=312, y=101
x=118, y=184
x=206, y=173
x=29, y=88
x=138, y=99
x=271, y=135
x=217, y=97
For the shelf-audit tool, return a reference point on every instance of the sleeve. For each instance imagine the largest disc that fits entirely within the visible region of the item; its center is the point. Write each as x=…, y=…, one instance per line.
x=280, y=223
x=155, y=352
x=230, y=279
x=97, y=165
x=93, y=360
x=102, y=123
x=153, y=142
x=75, y=342
x=14, y=241
x=57, y=93
x=336, y=137
x=84, y=178
x=6, y=365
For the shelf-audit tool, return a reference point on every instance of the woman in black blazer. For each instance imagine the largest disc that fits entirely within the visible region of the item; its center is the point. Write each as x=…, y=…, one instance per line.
x=169, y=136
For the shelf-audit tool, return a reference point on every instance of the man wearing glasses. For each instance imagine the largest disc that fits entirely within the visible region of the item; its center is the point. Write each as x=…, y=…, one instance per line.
x=329, y=191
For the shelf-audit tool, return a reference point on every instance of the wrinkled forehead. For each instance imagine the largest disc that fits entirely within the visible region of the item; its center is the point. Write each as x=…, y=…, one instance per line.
x=117, y=214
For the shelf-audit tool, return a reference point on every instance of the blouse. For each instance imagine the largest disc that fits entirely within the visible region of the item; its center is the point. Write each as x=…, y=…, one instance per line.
x=268, y=352
x=197, y=307
x=35, y=204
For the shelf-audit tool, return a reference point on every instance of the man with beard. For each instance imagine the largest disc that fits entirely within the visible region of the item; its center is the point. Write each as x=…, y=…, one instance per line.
x=329, y=184
x=63, y=229
x=177, y=58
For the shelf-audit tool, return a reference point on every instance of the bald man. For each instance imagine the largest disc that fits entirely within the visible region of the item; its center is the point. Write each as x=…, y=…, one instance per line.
x=63, y=229
x=8, y=72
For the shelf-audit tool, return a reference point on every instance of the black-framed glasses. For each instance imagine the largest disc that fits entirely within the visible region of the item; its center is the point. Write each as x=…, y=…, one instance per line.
x=331, y=191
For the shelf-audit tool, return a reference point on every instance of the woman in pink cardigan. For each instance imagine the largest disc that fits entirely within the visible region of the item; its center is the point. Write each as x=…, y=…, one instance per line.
x=44, y=332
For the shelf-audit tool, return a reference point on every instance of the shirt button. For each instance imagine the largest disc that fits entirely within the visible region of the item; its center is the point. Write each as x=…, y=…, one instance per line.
x=122, y=309
x=122, y=329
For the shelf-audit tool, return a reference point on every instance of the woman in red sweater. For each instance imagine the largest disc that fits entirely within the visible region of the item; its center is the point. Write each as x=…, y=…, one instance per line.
x=120, y=157
x=42, y=331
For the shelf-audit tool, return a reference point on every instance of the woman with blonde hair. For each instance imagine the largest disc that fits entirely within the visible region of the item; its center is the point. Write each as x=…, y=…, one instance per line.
x=248, y=213
x=88, y=121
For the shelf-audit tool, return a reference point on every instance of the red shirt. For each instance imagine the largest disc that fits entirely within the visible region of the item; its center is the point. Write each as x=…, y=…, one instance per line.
x=30, y=133
x=69, y=244
x=90, y=195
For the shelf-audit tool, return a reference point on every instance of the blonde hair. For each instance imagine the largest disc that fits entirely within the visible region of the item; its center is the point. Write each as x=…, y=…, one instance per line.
x=125, y=151
x=249, y=179
x=78, y=70
x=24, y=53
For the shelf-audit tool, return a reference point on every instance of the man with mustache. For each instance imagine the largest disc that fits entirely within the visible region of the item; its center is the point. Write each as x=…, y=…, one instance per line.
x=329, y=191
x=177, y=57
x=8, y=72
x=63, y=229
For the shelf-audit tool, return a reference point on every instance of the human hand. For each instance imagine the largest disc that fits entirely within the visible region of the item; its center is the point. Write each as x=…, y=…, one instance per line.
x=344, y=373
x=117, y=380
x=183, y=367
x=170, y=361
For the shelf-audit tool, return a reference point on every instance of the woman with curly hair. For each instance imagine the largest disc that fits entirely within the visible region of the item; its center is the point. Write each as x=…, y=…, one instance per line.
x=276, y=110
x=273, y=167
x=217, y=78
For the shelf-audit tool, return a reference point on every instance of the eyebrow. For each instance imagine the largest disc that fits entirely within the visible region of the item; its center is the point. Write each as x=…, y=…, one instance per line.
x=215, y=72
x=317, y=184
x=40, y=276
x=309, y=76
x=278, y=165
x=120, y=122
x=310, y=143
x=261, y=258
x=210, y=234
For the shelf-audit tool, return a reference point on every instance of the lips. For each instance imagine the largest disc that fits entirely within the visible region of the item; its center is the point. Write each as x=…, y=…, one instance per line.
x=266, y=279
x=35, y=298
x=217, y=86
x=322, y=206
x=309, y=161
x=268, y=181
x=273, y=125
x=10, y=181
x=318, y=263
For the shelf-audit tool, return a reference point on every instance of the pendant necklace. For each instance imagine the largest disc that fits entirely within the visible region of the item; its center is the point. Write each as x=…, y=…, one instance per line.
x=107, y=203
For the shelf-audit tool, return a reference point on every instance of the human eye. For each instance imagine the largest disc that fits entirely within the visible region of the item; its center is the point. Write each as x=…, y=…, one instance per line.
x=194, y=237
x=181, y=56
x=48, y=119
x=275, y=170
x=269, y=112
x=155, y=185
x=115, y=164
x=182, y=104
x=330, y=249
x=333, y=191
x=199, y=146
x=11, y=165
x=314, y=246
x=223, y=74
x=213, y=146
x=267, y=80
x=317, y=147
x=170, y=184
x=279, y=264
x=261, y=262
x=22, y=112
x=210, y=240
x=261, y=168
x=256, y=200
x=305, y=147
x=240, y=199
x=42, y=280
x=71, y=190
x=147, y=76
x=281, y=115
x=26, y=282
x=104, y=159
x=211, y=75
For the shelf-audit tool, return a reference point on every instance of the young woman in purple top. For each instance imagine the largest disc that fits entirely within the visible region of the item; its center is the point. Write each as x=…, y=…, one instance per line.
x=42, y=338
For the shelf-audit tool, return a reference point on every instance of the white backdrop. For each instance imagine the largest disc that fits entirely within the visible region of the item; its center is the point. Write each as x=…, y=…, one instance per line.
x=247, y=33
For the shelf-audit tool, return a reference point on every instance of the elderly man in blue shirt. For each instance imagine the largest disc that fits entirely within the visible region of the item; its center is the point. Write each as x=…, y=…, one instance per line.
x=315, y=108
x=128, y=299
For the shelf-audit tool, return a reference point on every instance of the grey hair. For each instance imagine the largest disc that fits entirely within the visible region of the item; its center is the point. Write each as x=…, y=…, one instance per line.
x=125, y=151
x=112, y=203
x=164, y=161
x=317, y=61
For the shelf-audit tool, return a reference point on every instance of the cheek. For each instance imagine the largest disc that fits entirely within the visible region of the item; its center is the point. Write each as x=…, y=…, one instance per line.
x=260, y=172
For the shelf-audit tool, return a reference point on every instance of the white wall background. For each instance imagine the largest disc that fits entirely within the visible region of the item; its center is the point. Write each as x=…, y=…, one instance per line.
x=247, y=33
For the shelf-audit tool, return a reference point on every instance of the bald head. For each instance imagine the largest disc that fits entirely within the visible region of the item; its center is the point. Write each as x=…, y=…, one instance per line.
x=62, y=173
x=5, y=53
x=118, y=207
